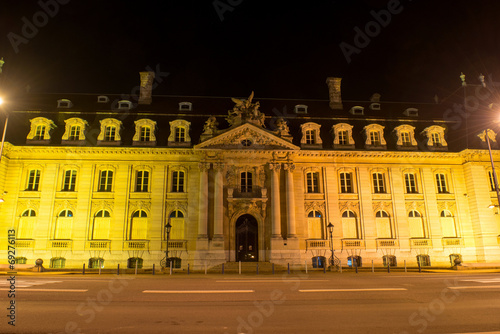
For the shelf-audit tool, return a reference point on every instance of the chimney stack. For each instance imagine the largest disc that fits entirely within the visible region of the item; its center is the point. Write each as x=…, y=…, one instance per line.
x=147, y=79
x=334, y=92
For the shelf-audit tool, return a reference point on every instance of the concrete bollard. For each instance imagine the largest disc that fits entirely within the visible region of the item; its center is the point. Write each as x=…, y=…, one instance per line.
x=136, y=266
x=171, y=262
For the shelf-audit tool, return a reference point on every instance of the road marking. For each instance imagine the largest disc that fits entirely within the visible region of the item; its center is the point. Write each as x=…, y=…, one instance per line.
x=475, y=287
x=270, y=281
x=482, y=280
x=198, y=291
x=353, y=290
x=26, y=283
x=49, y=290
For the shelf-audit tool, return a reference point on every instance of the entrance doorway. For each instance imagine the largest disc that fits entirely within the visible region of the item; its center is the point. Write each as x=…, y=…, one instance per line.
x=247, y=239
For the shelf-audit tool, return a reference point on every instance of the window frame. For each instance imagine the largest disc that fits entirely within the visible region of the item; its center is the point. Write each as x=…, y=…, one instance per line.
x=442, y=183
x=313, y=182
x=33, y=182
x=69, y=181
x=142, y=180
x=107, y=185
x=378, y=182
x=178, y=181
x=410, y=185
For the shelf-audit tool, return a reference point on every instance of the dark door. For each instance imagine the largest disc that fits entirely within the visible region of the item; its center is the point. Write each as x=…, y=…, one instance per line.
x=246, y=239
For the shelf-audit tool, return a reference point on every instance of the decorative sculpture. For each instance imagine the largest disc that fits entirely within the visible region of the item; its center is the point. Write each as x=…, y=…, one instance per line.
x=210, y=126
x=1, y=64
x=245, y=111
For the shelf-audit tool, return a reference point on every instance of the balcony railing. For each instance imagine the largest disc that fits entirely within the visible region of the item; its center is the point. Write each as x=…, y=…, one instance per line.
x=353, y=243
x=136, y=245
x=317, y=244
x=387, y=243
x=420, y=243
x=452, y=242
x=98, y=244
x=174, y=245
x=246, y=192
x=25, y=243
x=61, y=244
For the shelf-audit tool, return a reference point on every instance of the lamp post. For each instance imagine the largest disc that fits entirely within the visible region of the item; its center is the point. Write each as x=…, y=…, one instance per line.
x=330, y=229
x=168, y=227
x=495, y=180
x=4, y=130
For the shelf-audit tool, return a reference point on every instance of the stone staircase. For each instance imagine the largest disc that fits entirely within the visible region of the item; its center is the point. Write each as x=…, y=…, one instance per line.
x=248, y=268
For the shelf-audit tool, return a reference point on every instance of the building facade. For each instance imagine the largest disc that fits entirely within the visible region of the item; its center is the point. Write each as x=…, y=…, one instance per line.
x=95, y=179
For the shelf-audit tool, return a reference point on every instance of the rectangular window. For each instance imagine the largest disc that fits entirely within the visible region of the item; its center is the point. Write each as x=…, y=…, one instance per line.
x=142, y=181
x=246, y=182
x=309, y=136
x=40, y=133
x=312, y=180
x=105, y=180
x=109, y=133
x=178, y=182
x=436, y=139
x=33, y=180
x=410, y=183
x=69, y=180
x=145, y=133
x=375, y=138
x=180, y=135
x=378, y=183
x=343, y=138
x=346, y=183
x=405, y=139
x=441, y=183
x=74, y=133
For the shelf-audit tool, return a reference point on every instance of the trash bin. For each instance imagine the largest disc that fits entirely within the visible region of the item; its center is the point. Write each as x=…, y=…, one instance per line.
x=319, y=261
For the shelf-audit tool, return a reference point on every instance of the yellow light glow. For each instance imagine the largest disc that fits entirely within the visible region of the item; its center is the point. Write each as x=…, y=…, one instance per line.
x=1, y=100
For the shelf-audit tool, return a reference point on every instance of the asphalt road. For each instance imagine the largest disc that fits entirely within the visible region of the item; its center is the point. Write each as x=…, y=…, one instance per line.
x=295, y=303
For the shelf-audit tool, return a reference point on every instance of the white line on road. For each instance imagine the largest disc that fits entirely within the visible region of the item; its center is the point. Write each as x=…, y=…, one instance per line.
x=50, y=290
x=353, y=290
x=198, y=291
x=474, y=287
x=271, y=281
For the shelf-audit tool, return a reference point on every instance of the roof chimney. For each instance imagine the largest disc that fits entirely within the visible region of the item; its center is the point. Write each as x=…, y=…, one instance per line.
x=334, y=92
x=147, y=79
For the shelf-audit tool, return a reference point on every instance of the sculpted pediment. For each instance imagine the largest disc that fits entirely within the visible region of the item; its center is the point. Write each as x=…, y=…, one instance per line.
x=249, y=137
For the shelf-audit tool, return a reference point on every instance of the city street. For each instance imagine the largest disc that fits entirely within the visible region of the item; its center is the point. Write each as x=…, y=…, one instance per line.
x=295, y=303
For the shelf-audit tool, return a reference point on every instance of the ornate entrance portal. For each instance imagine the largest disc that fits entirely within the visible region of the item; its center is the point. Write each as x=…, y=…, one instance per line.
x=247, y=239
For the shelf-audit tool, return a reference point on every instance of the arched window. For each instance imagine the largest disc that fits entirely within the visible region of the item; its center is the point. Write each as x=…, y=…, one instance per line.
x=96, y=262
x=139, y=225
x=416, y=222
x=57, y=262
x=101, y=226
x=383, y=222
x=64, y=225
x=315, y=225
x=66, y=213
x=26, y=224
x=177, y=221
x=448, y=226
x=350, y=225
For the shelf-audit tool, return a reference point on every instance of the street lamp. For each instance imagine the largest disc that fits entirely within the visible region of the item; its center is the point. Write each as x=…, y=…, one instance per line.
x=330, y=229
x=168, y=227
x=4, y=130
x=495, y=180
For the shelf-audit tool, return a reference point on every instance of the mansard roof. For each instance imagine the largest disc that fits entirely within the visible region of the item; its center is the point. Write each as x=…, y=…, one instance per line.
x=461, y=127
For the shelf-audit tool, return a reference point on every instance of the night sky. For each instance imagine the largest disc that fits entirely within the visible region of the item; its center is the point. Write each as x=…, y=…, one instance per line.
x=282, y=49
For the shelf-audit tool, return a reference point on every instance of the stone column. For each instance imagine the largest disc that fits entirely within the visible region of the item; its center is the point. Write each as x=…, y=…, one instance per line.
x=290, y=200
x=275, y=199
x=203, y=201
x=218, y=201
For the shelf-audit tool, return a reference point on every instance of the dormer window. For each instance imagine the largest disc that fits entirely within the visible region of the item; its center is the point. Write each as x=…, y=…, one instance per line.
x=405, y=137
x=185, y=106
x=357, y=110
x=110, y=132
x=375, y=136
x=64, y=103
x=144, y=133
x=300, y=109
x=342, y=134
x=310, y=135
x=102, y=99
x=435, y=138
x=40, y=129
x=411, y=112
x=375, y=106
x=74, y=131
x=179, y=133
x=125, y=105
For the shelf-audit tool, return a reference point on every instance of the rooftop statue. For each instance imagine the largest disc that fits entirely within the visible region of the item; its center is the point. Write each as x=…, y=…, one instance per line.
x=245, y=111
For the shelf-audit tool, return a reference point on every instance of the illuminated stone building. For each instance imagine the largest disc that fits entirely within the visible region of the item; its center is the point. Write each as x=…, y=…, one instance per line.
x=95, y=178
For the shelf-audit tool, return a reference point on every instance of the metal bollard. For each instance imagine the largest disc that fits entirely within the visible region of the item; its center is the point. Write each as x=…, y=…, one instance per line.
x=419, y=267
x=305, y=263
x=205, y=267
x=223, y=269
x=257, y=268
x=239, y=267
x=83, y=273
x=340, y=266
x=405, y=266
x=356, y=265
x=188, y=268
x=99, y=268
x=273, y=268
x=373, y=268
x=288, y=268
x=324, y=268
x=388, y=267
x=171, y=262
x=136, y=266
x=153, y=268
x=118, y=269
